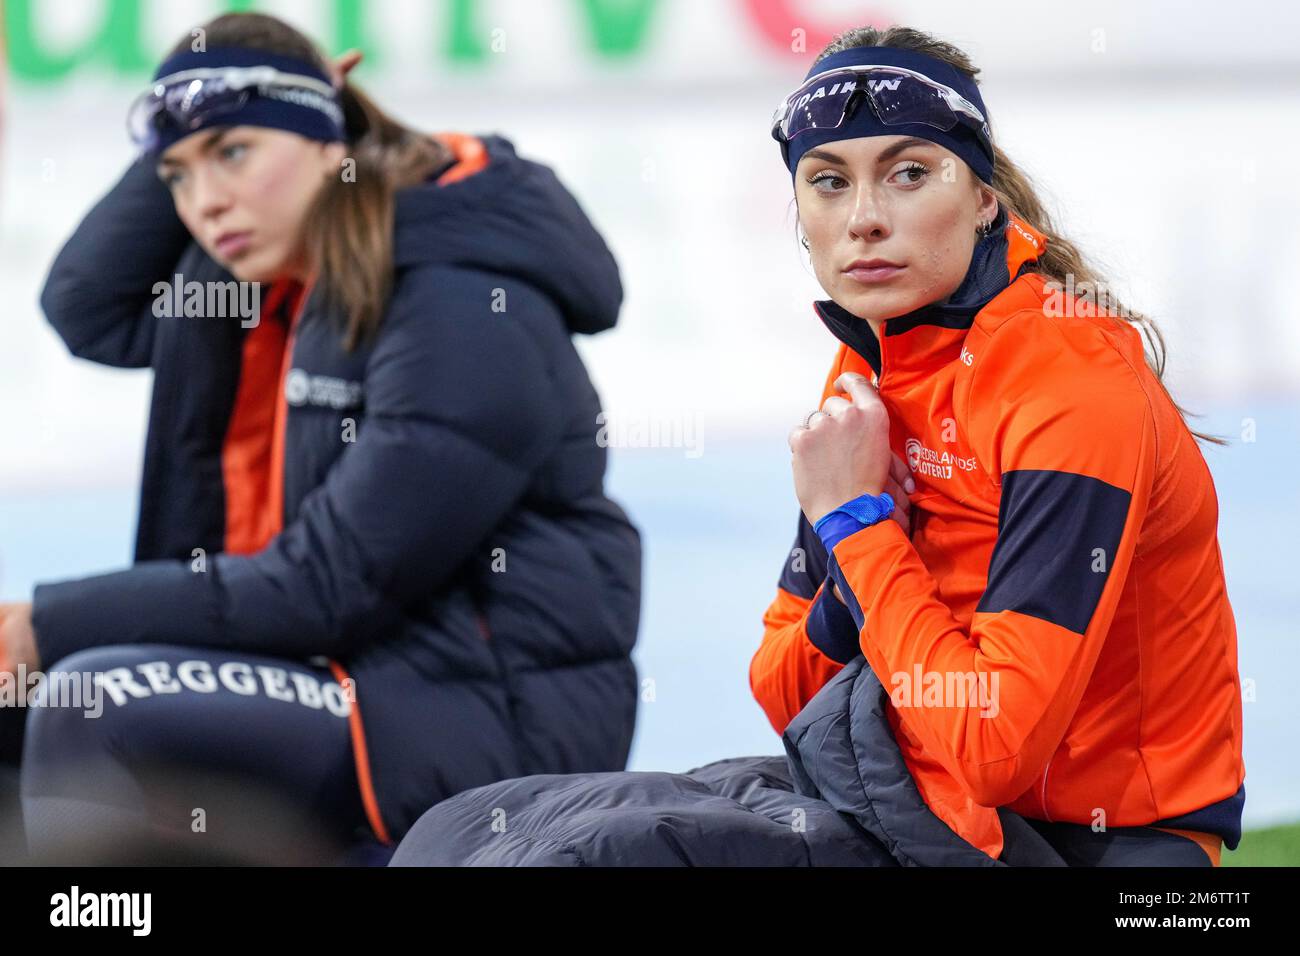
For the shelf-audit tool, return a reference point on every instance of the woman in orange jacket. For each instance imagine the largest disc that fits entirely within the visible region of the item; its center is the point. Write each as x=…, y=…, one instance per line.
x=1003, y=509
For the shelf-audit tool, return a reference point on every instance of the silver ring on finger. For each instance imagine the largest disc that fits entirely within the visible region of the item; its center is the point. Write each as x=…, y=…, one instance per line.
x=807, y=422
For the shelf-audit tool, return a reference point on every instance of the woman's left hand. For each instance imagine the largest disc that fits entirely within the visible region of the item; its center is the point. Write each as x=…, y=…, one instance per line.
x=843, y=452
x=17, y=638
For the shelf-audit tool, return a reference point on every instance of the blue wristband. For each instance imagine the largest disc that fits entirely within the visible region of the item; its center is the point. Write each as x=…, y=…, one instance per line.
x=852, y=516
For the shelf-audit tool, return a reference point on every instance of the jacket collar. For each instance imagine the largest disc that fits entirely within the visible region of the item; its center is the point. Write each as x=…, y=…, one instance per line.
x=1011, y=248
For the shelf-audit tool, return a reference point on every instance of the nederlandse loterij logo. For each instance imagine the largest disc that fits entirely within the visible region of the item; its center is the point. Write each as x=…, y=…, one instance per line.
x=934, y=464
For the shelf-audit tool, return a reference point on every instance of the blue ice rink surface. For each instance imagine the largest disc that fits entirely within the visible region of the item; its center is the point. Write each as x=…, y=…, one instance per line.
x=716, y=528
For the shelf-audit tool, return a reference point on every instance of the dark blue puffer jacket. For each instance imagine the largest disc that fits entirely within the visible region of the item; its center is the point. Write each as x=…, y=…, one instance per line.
x=459, y=558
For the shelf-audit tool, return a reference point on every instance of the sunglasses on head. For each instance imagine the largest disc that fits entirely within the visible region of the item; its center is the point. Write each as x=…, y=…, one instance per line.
x=898, y=97
x=191, y=99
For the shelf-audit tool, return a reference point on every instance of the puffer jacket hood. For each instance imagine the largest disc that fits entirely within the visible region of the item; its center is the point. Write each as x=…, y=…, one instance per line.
x=511, y=216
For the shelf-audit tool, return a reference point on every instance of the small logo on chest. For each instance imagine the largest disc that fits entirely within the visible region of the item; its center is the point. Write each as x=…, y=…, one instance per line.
x=302, y=388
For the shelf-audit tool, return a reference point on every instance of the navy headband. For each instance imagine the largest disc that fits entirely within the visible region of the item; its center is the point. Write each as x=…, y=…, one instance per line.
x=273, y=112
x=961, y=139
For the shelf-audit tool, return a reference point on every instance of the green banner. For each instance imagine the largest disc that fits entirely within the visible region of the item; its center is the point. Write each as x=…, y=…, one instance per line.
x=614, y=29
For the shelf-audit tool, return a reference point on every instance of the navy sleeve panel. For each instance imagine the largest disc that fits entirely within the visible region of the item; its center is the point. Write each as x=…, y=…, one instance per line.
x=836, y=573
x=831, y=627
x=460, y=410
x=98, y=295
x=805, y=565
x=1058, y=534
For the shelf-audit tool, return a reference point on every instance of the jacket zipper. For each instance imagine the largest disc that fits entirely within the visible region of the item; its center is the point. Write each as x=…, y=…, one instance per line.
x=281, y=425
x=880, y=378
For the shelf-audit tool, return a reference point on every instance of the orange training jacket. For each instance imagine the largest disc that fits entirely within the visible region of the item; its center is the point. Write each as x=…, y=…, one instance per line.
x=1063, y=556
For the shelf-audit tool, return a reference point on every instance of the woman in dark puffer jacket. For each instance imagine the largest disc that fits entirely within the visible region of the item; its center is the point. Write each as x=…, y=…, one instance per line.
x=375, y=564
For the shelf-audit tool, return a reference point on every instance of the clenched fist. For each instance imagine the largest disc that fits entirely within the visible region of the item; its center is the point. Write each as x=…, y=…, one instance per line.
x=843, y=452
